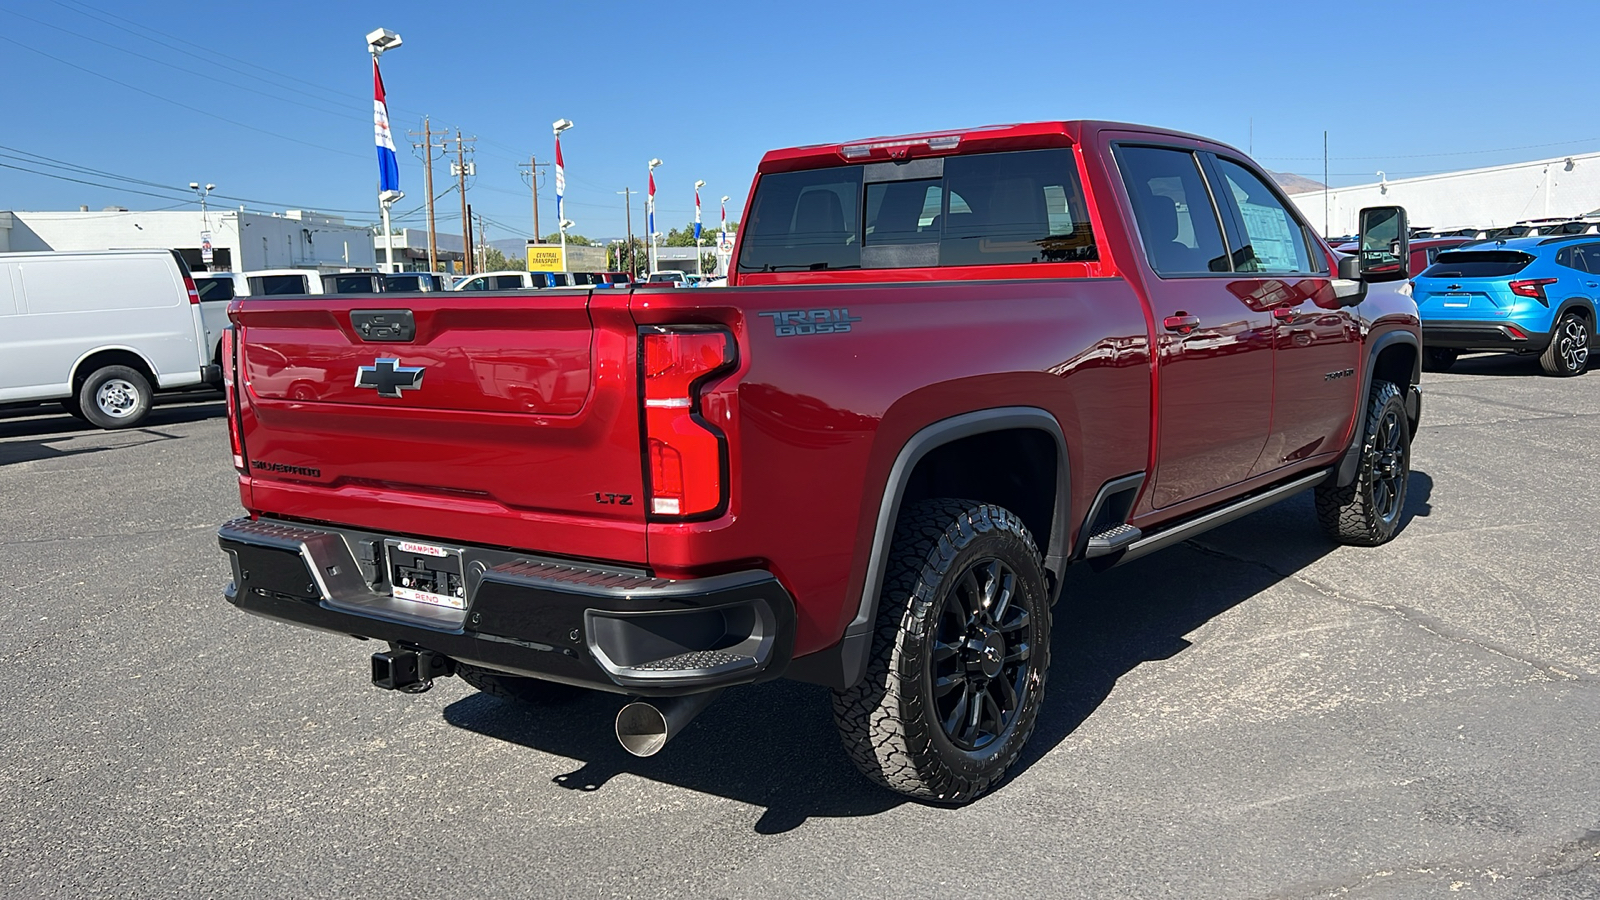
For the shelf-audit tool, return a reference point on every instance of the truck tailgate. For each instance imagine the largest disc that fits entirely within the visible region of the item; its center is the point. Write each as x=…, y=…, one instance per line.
x=508, y=420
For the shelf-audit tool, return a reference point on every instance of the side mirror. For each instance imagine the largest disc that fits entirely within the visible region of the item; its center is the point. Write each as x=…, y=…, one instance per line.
x=1385, y=253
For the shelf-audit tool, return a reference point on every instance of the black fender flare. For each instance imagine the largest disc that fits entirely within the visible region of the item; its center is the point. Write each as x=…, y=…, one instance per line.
x=1351, y=460
x=1583, y=303
x=845, y=663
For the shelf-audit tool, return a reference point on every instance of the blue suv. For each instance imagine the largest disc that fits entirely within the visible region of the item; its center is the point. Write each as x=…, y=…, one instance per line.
x=1523, y=295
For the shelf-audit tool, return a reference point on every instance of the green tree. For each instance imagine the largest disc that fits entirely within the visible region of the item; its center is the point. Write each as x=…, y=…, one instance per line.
x=684, y=237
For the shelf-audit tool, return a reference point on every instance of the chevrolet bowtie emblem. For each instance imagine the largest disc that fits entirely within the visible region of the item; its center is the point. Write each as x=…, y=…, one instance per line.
x=388, y=376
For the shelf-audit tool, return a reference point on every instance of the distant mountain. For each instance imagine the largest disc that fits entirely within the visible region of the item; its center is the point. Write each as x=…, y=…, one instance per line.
x=1296, y=184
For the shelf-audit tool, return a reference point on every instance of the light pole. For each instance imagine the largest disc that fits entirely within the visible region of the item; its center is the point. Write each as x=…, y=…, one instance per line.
x=722, y=259
x=650, y=215
x=559, y=126
x=205, y=225
x=699, y=268
x=378, y=41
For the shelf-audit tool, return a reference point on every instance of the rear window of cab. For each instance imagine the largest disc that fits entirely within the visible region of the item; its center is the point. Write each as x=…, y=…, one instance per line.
x=1005, y=208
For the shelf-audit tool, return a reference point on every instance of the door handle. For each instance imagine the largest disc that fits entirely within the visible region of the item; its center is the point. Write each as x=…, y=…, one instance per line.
x=1182, y=323
x=1285, y=313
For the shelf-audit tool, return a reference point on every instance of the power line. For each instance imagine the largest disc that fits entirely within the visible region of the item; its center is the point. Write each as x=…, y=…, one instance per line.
x=38, y=160
x=347, y=112
x=193, y=109
x=1432, y=155
x=184, y=46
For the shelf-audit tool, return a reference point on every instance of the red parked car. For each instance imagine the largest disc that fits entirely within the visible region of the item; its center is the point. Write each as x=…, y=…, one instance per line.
x=947, y=367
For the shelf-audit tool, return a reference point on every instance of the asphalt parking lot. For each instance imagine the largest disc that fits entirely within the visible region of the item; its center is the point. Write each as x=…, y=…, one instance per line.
x=1253, y=714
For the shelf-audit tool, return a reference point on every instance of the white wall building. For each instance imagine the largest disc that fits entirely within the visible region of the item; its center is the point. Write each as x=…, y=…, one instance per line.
x=240, y=240
x=1564, y=187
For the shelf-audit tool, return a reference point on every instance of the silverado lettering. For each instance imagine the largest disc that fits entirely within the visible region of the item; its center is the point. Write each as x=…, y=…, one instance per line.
x=283, y=469
x=1089, y=341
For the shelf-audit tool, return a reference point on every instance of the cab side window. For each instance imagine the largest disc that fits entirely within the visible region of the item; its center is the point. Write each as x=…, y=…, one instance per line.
x=1177, y=221
x=1272, y=241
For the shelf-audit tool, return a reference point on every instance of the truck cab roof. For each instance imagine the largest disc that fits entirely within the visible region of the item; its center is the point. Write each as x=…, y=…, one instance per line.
x=982, y=139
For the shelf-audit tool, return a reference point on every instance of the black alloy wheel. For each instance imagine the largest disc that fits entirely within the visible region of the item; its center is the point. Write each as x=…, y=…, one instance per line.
x=1390, y=465
x=980, y=655
x=1568, y=353
x=960, y=654
x=1367, y=511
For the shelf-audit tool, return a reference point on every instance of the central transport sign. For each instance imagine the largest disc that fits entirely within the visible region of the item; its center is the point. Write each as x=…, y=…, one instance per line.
x=546, y=258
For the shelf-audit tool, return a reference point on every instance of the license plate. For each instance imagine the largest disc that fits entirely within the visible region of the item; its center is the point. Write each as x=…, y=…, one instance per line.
x=1457, y=299
x=425, y=573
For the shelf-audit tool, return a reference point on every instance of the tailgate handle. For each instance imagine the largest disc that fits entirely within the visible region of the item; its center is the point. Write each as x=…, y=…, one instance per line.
x=388, y=325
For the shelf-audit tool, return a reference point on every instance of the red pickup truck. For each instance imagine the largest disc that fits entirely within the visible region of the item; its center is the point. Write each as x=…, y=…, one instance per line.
x=947, y=367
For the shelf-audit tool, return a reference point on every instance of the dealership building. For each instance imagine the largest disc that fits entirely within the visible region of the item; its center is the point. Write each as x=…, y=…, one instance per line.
x=240, y=240
x=1561, y=187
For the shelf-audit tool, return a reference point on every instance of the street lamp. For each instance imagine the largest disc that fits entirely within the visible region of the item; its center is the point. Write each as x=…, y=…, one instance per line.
x=557, y=127
x=205, y=225
x=650, y=214
x=379, y=41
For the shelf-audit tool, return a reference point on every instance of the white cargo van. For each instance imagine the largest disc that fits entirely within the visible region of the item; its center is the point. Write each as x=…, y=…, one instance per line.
x=217, y=290
x=99, y=331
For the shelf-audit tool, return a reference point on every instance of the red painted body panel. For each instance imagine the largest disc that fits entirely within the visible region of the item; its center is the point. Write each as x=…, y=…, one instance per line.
x=532, y=404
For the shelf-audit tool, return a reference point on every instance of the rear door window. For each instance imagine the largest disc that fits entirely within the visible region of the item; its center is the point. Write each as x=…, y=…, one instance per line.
x=1478, y=264
x=1589, y=258
x=1177, y=222
x=272, y=285
x=214, y=290
x=348, y=284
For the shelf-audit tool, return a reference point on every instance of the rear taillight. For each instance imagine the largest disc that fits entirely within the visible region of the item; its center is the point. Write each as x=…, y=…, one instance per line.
x=687, y=456
x=1532, y=287
x=194, y=293
x=231, y=398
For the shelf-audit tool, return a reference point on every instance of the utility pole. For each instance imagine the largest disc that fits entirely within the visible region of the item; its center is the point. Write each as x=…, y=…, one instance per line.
x=483, y=249
x=462, y=169
x=633, y=256
x=428, y=146
x=1325, y=189
x=532, y=174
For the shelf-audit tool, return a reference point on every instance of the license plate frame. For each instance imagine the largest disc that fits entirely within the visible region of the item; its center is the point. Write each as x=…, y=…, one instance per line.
x=425, y=573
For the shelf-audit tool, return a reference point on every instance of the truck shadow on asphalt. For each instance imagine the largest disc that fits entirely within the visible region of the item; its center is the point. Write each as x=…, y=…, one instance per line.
x=773, y=745
x=1502, y=364
x=41, y=427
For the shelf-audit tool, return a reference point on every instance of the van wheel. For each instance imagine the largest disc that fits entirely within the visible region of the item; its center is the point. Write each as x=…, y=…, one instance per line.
x=531, y=691
x=1568, y=353
x=1366, y=512
x=957, y=668
x=1438, y=359
x=115, y=397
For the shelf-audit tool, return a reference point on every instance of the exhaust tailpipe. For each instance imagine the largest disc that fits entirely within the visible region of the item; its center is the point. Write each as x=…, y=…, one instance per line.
x=645, y=726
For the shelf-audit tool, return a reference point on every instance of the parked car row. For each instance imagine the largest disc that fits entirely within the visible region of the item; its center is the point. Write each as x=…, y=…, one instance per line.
x=1528, y=295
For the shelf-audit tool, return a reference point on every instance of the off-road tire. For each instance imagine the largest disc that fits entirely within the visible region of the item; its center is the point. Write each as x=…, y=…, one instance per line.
x=516, y=689
x=1367, y=511
x=126, y=400
x=889, y=722
x=1568, y=353
x=1439, y=359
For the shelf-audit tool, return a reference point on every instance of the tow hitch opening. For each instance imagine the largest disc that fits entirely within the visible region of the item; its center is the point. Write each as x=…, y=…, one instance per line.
x=411, y=671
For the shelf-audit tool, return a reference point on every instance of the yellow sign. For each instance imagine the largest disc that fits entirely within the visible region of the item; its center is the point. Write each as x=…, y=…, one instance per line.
x=546, y=258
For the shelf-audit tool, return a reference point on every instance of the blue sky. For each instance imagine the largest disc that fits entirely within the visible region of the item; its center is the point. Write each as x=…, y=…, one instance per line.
x=272, y=102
